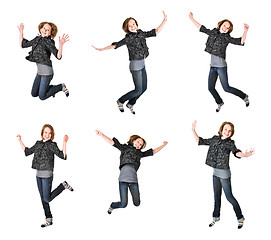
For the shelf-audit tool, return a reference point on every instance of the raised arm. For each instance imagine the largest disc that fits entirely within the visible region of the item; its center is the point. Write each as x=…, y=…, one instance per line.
x=105, y=48
x=246, y=27
x=198, y=25
x=246, y=154
x=21, y=30
x=21, y=142
x=157, y=30
x=62, y=41
x=194, y=124
x=109, y=140
x=65, y=140
x=156, y=150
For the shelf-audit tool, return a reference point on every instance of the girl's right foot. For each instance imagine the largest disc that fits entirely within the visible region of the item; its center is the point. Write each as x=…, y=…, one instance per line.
x=65, y=89
x=67, y=186
x=219, y=107
x=130, y=107
x=215, y=219
x=246, y=101
x=120, y=106
x=109, y=211
x=49, y=222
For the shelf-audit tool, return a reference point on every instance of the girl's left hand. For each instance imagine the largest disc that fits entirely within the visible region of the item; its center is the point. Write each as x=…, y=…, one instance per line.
x=249, y=153
x=165, y=143
x=165, y=16
x=246, y=27
x=64, y=39
x=66, y=138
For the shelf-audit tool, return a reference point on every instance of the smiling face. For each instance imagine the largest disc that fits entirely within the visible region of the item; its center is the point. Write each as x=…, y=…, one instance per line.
x=46, y=30
x=224, y=28
x=47, y=134
x=138, y=143
x=132, y=26
x=226, y=131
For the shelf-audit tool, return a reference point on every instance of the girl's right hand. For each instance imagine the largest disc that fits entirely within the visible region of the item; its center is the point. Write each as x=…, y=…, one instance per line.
x=191, y=15
x=98, y=49
x=19, y=137
x=21, y=27
x=99, y=133
x=194, y=124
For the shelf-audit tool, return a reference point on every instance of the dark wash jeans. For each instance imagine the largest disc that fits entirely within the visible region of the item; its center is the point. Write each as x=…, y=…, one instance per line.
x=123, y=188
x=41, y=87
x=46, y=193
x=140, y=82
x=218, y=184
x=223, y=76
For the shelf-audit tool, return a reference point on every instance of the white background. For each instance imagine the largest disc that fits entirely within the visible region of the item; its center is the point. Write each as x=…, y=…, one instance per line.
x=175, y=185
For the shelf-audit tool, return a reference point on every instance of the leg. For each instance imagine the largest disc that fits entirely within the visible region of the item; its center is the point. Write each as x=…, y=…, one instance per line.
x=226, y=185
x=134, y=190
x=217, y=197
x=123, y=189
x=48, y=196
x=223, y=76
x=211, y=85
x=46, y=90
x=36, y=86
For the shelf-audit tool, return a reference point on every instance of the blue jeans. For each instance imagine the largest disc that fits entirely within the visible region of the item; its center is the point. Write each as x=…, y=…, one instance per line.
x=140, y=82
x=123, y=188
x=46, y=193
x=41, y=87
x=218, y=184
x=223, y=76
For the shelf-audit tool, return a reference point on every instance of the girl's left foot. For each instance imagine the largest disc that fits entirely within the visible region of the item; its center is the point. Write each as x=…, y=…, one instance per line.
x=240, y=223
x=49, y=222
x=65, y=89
x=67, y=186
x=109, y=211
x=246, y=101
x=120, y=106
x=219, y=107
x=130, y=107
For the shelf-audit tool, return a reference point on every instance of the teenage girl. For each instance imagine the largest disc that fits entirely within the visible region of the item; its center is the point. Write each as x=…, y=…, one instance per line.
x=43, y=161
x=135, y=40
x=129, y=163
x=216, y=45
x=218, y=158
x=42, y=47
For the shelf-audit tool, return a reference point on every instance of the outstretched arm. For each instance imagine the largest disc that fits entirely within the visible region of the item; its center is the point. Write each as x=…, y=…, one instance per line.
x=194, y=124
x=246, y=154
x=62, y=41
x=109, y=140
x=21, y=142
x=198, y=25
x=157, y=30
x=246, y=27
x=156, y=150
x=65, y=140
x=105, y=48
x=21, y=30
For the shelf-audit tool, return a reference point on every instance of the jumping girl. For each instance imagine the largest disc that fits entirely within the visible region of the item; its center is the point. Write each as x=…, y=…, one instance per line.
x=42, y=47
x=43, y=161
x=218, y=158
x=129, y=163
x=135, y=40
x=216, y=45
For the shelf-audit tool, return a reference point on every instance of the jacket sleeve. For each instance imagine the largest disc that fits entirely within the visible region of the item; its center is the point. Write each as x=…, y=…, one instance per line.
x=26, y=43
x=29, y=151
x=203, y=29
x=206, y=141
x=234, y=149
x=54, y=148
x=236, y=41
x=117, y=144
x=50, y=45
x=120, y=43
x=147, y=153
x=151, y=33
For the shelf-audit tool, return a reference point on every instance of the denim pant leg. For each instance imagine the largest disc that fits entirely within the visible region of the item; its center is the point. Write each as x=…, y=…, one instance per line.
x=217, y=196
x=46, y=90
x=213, y=74
x=223, y=76
x=226, y=185
x=134, y=190
x=36, y=86
x=123, y=189
x=140, y=82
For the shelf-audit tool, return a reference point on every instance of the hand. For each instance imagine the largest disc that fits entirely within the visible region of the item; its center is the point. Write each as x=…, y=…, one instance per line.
x=246, y=27
x=165, y=16
x=194, y=124
x=64, y=39
x=165, y=143
x=99, y=133
x=19, y=137
x=66, y=138
x=249, y=153
x=21, y=27
x=191, y=15
x=98, y=49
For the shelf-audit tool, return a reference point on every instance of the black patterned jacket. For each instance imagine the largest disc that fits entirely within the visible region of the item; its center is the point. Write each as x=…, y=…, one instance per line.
x=218, y=155
x=129, y=154
x=42, y=47
x=217, y=42
x=44, y=154
x=136, y=44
